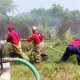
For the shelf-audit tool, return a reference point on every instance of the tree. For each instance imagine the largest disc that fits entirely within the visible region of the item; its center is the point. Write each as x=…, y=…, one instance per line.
x=6, y=6
x=37, y=13
x=57, y=10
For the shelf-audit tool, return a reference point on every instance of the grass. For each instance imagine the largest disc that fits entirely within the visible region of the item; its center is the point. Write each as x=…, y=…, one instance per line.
x=49, y=70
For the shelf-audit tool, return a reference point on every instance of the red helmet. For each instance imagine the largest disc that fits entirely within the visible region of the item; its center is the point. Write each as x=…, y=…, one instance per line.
x=10, y=27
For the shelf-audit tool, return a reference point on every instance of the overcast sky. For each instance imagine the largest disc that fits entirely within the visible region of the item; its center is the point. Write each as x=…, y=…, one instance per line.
x=27, y=5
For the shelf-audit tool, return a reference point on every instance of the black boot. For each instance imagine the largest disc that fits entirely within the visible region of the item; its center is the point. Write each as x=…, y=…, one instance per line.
x=78, y=60
x=44, y=57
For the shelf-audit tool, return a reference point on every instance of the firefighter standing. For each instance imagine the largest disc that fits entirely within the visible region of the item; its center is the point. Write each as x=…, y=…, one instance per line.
x=14, y=38
x=39, y=46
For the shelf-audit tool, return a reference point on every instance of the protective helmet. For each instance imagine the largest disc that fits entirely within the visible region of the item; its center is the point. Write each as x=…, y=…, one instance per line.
x=34, y=28
x=10, y=27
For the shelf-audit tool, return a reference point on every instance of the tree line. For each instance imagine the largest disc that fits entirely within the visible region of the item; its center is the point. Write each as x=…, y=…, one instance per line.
x=53, y=22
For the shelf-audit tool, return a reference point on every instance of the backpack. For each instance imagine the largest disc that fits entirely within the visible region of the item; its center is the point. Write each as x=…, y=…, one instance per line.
x=40, y=36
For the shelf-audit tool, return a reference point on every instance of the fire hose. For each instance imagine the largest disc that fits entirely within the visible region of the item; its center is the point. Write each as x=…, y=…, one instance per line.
x=54, y=49
x=34, y=70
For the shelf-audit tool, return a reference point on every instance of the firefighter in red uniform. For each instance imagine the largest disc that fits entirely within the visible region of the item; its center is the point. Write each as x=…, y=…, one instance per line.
x=14, y=38
x=39, y=46
x=72, y=48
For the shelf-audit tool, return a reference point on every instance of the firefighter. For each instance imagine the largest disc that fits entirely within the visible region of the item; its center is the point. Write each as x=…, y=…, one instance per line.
x=14, y=38
x=38, y=45
x=72, y=48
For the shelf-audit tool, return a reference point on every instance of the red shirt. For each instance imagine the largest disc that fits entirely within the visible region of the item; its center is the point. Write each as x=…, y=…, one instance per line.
x=13, y=37
x=76, y=43
x=35, y=38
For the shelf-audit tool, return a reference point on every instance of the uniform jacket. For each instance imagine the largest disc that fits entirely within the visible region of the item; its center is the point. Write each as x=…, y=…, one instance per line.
x=76, y=43
x=36, y=38
x=13, y=37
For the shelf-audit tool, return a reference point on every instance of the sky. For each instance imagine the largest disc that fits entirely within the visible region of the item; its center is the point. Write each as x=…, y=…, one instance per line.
x=27, y=5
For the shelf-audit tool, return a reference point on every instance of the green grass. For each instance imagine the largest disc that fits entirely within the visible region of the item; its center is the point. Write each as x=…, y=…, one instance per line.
x=49, y=70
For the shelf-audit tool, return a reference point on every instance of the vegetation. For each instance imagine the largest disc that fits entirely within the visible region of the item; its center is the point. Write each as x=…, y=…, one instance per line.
x=53, y=22
x=60, y=27
x=51, y=69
